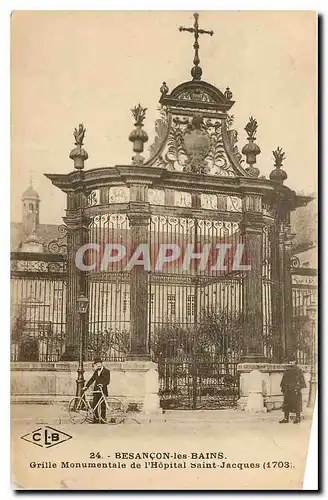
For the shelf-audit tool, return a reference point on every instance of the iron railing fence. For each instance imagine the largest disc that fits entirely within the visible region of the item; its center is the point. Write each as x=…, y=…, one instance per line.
x=195, y=313
x=304, y=293
x=38, y=306
x=108, y=333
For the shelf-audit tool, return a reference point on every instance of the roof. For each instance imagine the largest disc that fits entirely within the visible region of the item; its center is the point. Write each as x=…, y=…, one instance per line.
x=46, y=232
x=31, y=193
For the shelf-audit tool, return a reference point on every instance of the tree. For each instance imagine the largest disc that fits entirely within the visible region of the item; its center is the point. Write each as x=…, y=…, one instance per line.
x=33, y=340
x=217, y=334
x=108, y=344
x=18, y=321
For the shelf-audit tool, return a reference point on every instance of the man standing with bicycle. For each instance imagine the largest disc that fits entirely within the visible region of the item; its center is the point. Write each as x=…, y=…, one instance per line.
x=101, y=377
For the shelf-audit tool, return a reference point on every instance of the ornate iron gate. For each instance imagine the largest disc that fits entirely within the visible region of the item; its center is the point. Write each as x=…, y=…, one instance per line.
x=195, y=322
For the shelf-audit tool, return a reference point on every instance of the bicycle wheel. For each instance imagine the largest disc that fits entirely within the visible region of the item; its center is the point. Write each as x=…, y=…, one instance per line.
x=114, y=411
x=78, y=410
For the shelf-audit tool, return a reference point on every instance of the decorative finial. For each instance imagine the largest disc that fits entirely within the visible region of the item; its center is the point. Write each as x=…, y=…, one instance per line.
x=251, y=128
x=78, y=154
x=251, y=150
x=279, y=156
x=196, y=71
x=139, y=114
x=164, y=89
x=278, y=175
x=228, y=94
x=79, y=134
x=138, y=136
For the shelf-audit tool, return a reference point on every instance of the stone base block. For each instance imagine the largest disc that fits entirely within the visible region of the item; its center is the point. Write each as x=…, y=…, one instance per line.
x=260, y=386
x=273, y=402
x=255, y=403
x=140, y=385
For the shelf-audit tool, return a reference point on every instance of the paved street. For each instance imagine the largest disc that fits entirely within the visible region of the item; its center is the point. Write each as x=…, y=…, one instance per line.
x=241, y=437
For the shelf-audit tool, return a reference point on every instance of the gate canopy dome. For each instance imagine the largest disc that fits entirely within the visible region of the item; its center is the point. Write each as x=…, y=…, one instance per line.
x=195, y=150
x=194, y=131
x=194, y=134
x=195, y=94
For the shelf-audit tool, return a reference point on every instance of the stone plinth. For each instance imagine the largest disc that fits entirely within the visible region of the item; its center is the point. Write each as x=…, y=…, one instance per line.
x=255, y=403
x=267, y=378
x=134, y=382
x=140, y=385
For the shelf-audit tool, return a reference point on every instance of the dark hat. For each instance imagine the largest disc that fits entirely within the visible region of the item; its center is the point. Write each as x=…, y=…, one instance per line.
x=292, y=358
x=97, y=360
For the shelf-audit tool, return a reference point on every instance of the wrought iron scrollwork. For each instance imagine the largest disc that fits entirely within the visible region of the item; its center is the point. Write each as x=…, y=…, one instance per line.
x=209, y=201
x=57, y=267
x=234, y=204
x=59, y=245
x=37, y=266
x=92, y=199
x=295, y=262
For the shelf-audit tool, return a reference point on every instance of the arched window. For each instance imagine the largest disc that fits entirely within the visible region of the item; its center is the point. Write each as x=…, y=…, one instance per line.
x=31, y=207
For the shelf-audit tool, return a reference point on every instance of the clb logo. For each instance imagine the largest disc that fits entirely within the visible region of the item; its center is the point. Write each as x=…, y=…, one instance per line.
x=46, y=437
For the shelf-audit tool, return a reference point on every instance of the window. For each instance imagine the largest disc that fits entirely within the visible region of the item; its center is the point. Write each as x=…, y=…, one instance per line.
x=190, y=305
x=171, y=305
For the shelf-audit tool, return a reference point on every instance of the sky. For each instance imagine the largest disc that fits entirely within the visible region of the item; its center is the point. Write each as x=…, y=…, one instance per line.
x=69, y=67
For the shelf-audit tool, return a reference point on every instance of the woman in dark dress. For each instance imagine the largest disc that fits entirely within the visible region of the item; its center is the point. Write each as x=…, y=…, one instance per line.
x=291, y=385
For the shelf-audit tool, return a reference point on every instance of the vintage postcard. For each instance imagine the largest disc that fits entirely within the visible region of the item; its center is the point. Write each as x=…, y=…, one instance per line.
x=163, y=249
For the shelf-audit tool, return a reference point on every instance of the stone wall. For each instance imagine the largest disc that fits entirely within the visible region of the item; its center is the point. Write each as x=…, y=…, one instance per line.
x=260, y=386
x=134, y=382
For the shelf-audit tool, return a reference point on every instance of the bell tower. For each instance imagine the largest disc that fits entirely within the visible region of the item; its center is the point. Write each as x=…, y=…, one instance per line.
x=31, y=204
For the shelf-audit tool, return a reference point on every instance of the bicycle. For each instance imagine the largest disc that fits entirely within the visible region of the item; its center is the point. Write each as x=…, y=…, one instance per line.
x=80, y=409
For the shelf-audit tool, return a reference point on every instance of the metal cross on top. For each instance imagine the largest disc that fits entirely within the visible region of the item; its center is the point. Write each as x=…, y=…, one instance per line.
x=196, y=71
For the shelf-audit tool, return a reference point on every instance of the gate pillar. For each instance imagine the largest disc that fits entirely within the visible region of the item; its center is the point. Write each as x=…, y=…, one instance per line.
x=77, y=235
x=139, y=222
x=281, y=299
x=252, y=294
x=285, y=257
